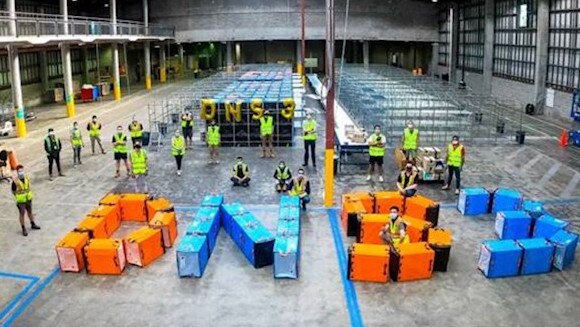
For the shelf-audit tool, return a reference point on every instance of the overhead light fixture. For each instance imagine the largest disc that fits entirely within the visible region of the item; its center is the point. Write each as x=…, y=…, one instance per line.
x=433, y=0
x=106, y=5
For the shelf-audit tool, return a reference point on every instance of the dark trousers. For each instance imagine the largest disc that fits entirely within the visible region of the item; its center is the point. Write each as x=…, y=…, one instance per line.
x=457, y=172
x=244, y=182
x=77, y=155
x=53, y=158
x=178, y=160
x=312, y=145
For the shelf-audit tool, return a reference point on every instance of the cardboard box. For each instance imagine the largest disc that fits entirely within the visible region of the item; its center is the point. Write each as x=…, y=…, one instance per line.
x=400, y=159
x=358, y=137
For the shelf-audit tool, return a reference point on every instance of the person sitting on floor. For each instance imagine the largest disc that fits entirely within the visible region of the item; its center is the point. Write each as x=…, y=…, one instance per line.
x=241, y=173
x=407, y=182
x=282, y=175
x=300, y=186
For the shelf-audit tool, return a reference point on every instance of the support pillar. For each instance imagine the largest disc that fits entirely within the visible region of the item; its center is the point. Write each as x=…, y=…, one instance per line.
x=220, y=58
x=434, y=70
x=300, y=69
x=238, y=54
x=454, y=37
x=488, y=47
x=229, y=57
x=17, y=92
x=66, y=64
x=147, y=64
x=115, y=46
x=162, y=65
x=542, y=40
x=181, y=56
x=366, y=54
x=355, y=51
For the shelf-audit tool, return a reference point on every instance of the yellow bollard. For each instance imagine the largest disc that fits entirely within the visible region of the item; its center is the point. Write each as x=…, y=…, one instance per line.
x=117, y=91
x=148, y=83
x=162, y=75
x=70, y=106
x=20, y=123
x=328, y=177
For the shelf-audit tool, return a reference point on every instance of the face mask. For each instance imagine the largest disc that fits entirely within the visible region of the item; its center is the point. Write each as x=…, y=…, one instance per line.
x=75, y=127
x=393, y=215
x=281, y=165
x=377, y=131
x=300, y=173
x=309, y=117
x=95, y=120
x=455, y=142
x=20, y=174
x=410, y=126
x=119, y=131
x=51, y=133
x=177, y=134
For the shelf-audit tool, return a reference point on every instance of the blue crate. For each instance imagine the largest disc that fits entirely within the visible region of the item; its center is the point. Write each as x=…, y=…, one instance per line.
x=511, y=225
x=228, y=211
x=473, y=201
x=207, y=222
x=286, y=257
x=289, y=201
x=534, y=208
x=192, y=256
x=288, y=227
x=500, y=258
x=546, y=226
x=212, y=200
x=538, y=255
x=506, y=200
x=565, y=252
x=252, y=238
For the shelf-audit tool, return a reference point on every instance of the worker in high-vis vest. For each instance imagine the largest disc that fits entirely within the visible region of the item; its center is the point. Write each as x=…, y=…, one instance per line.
x=94, y=129
x=282, y=174
x=394, y=232
x=52, y=147
x=23, y=195
x=138, y=161
x=309, y=135
x=300, y=187
x=77, y=143
x=136, y=132
x=407, y=181
x=377, y=143
x=120, y=151
x=178, y=149
x=455, y=160
x=266, y=131
x=213, y=138
x=187, y=128
x=410, y=141
x=240, y=173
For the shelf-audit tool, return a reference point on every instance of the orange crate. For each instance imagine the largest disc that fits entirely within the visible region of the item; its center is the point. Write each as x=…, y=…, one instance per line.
x=368, y=263
x=367, y=199
x=110, y=199
x=422, y=208
x=111, y=215
x=155, y=205
x=94, y=226
x=385, y=200
x=167, y=223
x=105, y=257
x=417, y=229
x=133, y=207
x=350, y=217
x=143, y=246
x=411, y=261
x=370, y=228
x=69, y=251
x=440, y=241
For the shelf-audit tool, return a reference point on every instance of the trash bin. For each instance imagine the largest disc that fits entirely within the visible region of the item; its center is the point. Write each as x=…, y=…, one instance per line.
x=500, y=127
x=520, y=137
x=174, y=118
x=146, y=138
x=162, y=128
x=478, y=117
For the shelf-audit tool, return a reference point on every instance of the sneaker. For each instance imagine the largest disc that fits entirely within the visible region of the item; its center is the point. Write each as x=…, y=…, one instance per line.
x=381, y=179
x=216, y=162
x=61, y=174
x=368, y=178
x=445, y=187
x=104, y=152
x=179, y=173
x=50, y=178
x=34, y=226
x=262, y=155
x=305, y=165
x=456, y=192
x=117, y=175
x=24, y=232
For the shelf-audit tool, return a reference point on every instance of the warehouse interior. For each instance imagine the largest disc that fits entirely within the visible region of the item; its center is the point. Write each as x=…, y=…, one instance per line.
x=503, y=75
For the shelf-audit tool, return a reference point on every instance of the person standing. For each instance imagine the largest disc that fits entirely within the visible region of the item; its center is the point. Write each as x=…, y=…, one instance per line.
x=94, y=129
x=77, y=143
x=455, y=161
x=282, y=176
x=377, y=143
x=23, y=195
x=136, y=132
x=240, y=173
x=407, y=181
x=410, y=141
x=309, y=136
x=139, y=167
x=52, y=147
x=266, y=131
x=120, y=151
x=300, y=187
x=178, y=149
x=187, y=128
x=213, y=142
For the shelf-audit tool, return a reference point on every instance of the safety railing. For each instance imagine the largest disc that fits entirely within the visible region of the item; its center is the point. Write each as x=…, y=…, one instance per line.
x=36, y=24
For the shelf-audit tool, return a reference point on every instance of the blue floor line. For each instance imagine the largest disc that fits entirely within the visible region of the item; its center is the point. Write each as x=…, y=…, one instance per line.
x=348, y=286
x=28, y=301
x=257, y=208
x=18, y=297
x=17, y=276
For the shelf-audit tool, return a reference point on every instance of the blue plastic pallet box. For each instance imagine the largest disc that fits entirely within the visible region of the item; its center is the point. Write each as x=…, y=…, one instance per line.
x=228, y=211
x=473, y=201
x=288, y=226
x=538, y=256
x=565, y=244
x=506, y=200
x=206, y=222
x=192, y=256
x=534, y=208
x=286, y=257
x=546, y=226
x=212, y=200
x=511, y=225
x=255, y=241
x=500, y=258
x=289, y=201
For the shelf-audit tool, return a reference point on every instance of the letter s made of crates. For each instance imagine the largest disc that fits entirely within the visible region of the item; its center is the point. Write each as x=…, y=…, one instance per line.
x=257, y=107
x=208, y=109
x=289, y=107
x=234, y=110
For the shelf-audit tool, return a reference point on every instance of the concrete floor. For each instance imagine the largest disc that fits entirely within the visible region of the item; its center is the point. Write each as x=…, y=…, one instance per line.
x=232, y=293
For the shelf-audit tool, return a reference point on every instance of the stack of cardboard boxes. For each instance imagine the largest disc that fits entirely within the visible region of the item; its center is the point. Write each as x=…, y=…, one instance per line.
x=429, y=163
x=354, y=134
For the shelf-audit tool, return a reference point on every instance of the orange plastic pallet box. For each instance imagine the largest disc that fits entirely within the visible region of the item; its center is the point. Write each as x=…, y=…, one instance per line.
x=143, y=246
x=370, y=228
x=367, y=199
x=350, y=217
x=385, y=200
x=110, y=199
x=167, y=223
x=112, y=216
x=411, y=261
x=69, y=251
x=105, y=257
x=422, y=208
x=368, y=263
x=440, y=241
x=155, y=205
x=417, y=229
x=133, y=207
x=94, y=226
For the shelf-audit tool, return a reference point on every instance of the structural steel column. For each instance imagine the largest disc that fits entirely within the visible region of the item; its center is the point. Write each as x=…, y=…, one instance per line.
x=366, y=54
x=488, y=47
x=229, y=57
x=17, y=101
x=454, y=37
x=162, y=68
x=66, y=64
x=299, y=60
x=181, y=57
x=329, y=149
x=542, y=40
x=115, y=46
x=147, y=64
x=434, y=59
x=301, y=68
